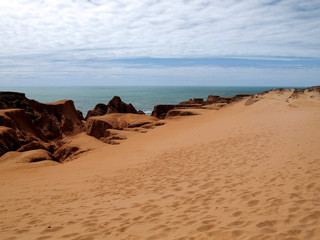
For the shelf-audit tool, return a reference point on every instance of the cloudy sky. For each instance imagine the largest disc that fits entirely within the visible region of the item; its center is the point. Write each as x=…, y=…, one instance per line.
x=154, y=42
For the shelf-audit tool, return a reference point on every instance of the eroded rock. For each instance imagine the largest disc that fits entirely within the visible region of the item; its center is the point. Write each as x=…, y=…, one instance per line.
x=115, y=105
x=8, y=140
x=97, y=126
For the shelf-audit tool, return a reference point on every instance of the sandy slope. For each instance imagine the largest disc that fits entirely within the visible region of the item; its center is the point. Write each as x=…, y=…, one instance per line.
x=243, y=172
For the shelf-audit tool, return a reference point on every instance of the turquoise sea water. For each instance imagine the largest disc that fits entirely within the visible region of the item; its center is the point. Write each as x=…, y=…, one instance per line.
x=142, y=98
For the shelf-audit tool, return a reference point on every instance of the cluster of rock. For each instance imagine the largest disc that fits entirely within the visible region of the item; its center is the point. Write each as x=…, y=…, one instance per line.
x=168, y=110
x=114, y=106
x=28, y=125
x=39, y=131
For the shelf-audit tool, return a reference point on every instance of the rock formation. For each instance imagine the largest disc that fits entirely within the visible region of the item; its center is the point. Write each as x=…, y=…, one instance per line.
x=217, y=99
x=193, y=101
x=43, y=131
x=46, y=121
x=160, y=111
x=97, y=126
x=8, y=140
x=179, y=112
x=28, y=125
x=115, y=105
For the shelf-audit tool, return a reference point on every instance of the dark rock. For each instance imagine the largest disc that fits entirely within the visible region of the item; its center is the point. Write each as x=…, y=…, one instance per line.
x=34, y=145
x=51, y=120
x=8, y=140
x=177, y=112
x=239, y=96
x=35, y=123
x=97, y=127
x=18, y=120
x=99, y=110
x=115, y=105
x=65, y=152
x=217, y=99
x=160, y=111
x=314, y=89
x=193, y=101
x=80, y=115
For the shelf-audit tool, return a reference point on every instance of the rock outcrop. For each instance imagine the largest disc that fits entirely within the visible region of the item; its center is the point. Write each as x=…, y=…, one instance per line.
x=27, y=157
x=8, y=140
x=193, y=101
x=160, y=111
x=28, y=125
x=97, y=126
x=217, y=99
x=179, y=112
x=46, y=121
x=115, y=105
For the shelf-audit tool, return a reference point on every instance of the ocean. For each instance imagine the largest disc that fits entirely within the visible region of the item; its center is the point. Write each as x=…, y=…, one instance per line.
x=142, y=98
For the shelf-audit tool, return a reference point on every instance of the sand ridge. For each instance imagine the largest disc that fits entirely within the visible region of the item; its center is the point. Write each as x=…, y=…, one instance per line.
x=243, y=172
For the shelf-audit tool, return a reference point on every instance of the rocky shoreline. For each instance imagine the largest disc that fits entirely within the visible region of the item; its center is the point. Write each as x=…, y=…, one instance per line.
x=38, y=131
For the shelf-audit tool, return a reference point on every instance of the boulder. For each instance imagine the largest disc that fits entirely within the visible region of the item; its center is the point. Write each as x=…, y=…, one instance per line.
x=99, y=110
x=160, y=111
x=97, y=126
x=115, y=105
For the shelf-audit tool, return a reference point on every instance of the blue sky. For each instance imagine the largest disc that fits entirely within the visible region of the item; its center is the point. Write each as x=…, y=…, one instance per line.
x=153, y=42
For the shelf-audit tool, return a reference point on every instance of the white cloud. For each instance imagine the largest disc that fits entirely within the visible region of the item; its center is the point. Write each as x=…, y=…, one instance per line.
x=34, y=34
x=161, y=28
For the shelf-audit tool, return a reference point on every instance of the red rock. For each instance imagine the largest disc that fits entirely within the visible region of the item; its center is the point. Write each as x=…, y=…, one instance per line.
x=36, y=123
x=193, y=101
x=31, y=156
x=217, y=99
x=34, y=145
x=179, y=112
x=51, y=120
x=97, y=126
x=8, y=140
x=115, y=105
x=160, y=111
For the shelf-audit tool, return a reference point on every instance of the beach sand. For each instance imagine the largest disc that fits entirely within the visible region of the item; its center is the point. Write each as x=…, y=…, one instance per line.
x=250, y=170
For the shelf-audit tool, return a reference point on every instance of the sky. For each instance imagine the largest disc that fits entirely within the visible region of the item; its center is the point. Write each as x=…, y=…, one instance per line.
x=154, y=42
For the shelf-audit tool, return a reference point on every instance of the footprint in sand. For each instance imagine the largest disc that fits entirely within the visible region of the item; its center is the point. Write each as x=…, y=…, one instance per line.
x=236, y=214
x=313, y=217
x=253, y=203
x=266, y=224
x=205, y=228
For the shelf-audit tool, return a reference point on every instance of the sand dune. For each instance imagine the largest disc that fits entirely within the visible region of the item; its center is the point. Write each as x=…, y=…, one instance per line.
x=250, y=170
